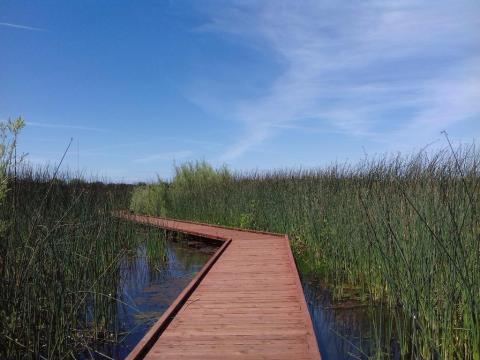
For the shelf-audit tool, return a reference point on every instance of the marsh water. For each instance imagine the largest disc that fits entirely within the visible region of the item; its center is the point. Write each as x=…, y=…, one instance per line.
x=348, y=329
x=148, y=285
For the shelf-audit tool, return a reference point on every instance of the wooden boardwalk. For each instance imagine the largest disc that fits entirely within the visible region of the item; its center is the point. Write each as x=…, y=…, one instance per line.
x=246, y=303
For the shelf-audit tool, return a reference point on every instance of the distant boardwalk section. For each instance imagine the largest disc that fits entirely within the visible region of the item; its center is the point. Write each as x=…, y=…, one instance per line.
x=246, y=303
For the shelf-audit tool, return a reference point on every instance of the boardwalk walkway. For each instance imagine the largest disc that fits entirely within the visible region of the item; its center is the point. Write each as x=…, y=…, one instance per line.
x=246, y=303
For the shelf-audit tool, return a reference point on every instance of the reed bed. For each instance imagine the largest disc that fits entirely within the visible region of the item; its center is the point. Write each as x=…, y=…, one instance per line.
x=399, y=232
x=59, y=259
x=60, y=253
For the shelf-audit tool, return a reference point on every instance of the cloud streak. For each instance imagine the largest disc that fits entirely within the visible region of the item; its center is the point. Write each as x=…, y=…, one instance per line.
x=63, y=126
x=21, y=27
x=378, y=70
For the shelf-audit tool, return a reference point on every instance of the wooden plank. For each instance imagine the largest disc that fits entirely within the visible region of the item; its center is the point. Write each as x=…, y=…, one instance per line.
x=155, y=331
x=249, y=304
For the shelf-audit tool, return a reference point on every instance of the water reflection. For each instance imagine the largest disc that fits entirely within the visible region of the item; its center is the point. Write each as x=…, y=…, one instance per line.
x=348, y=329
x=150, y=279
x=147, y=286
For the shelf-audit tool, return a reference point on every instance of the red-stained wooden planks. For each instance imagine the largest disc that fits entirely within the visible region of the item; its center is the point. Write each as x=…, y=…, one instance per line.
x=246, y=303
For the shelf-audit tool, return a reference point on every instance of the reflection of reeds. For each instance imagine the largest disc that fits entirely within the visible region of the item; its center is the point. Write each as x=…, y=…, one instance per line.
x=403, y=231
x=155, y=250
x=147, y=263
x=351, y=326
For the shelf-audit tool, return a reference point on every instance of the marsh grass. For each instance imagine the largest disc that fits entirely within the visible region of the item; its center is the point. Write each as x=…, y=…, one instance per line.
x=60, y=253
x=402, y=231
x=58, y=264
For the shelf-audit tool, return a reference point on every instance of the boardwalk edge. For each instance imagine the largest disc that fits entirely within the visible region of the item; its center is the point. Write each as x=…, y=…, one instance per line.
x=312, y=342
x=147, y=342
x=124, y=213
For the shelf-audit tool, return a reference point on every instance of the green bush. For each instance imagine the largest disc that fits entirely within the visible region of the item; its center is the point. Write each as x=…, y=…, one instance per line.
x=157, y=198
x=150, y=199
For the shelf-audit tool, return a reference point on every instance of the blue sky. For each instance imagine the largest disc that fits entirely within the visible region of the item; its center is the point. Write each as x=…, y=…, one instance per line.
x=252, y=84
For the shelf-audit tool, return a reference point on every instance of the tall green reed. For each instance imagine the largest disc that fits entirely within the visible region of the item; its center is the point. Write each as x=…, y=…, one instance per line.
x=60, y=252
x=402, y=231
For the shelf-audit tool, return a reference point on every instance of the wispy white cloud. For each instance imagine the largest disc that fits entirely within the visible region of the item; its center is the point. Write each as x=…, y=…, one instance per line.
x=174, y=155
x=21, y=27
x=64, y=126
x=374, y=69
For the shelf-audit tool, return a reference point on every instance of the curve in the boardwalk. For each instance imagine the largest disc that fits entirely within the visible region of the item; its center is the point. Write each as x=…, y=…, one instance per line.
x=247, y=301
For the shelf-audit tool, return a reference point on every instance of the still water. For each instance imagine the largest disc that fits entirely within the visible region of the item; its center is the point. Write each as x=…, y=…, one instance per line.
x=146, y=288
x=348, y=329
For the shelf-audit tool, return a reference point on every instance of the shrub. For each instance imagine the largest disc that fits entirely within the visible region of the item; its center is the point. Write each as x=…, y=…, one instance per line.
x=150, y=199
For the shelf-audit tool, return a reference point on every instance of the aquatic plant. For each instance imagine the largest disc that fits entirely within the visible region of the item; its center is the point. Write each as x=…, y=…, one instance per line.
x=149, y=199
x=403, y=231
x=60, y=250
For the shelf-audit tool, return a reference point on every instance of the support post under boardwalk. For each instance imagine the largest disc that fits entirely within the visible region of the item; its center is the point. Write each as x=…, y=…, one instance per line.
x=246, y=302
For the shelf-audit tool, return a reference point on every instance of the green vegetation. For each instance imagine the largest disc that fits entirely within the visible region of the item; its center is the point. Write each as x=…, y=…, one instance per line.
x=398, y=232
x=190, y=179
x=60, y=252
x=8, y=144
x=146, y=199
x=401, y=233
